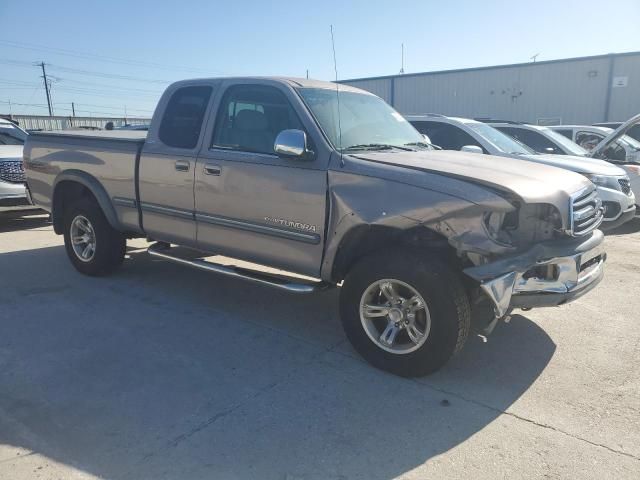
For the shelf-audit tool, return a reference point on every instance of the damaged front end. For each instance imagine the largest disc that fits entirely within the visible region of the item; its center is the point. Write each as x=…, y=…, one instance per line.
x=552, y=260
x=548, y=274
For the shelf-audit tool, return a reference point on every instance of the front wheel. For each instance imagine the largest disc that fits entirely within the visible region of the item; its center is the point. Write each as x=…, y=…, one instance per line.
x=405, y=313
x=94, y=247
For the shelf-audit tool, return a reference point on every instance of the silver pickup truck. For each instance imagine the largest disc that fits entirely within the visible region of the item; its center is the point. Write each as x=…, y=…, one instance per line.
x=334, y=187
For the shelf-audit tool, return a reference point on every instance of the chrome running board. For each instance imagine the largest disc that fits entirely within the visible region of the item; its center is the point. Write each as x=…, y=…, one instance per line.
x=163, y=250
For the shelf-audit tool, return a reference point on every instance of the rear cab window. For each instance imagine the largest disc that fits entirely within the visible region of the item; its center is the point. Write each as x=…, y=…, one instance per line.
x=182, y=120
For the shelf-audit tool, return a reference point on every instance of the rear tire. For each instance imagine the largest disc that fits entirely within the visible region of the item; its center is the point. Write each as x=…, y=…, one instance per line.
x=94, y=247
x=379, y=303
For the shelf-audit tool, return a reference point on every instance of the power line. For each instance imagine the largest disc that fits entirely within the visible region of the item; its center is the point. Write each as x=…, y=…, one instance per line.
x=103, y=58
x=19, y=63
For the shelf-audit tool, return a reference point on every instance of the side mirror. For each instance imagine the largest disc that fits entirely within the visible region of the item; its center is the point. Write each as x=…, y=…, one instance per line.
x=292, y=144
x=471, y=149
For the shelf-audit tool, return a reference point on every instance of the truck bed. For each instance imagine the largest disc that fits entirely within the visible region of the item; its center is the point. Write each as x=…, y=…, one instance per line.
x=110, y=156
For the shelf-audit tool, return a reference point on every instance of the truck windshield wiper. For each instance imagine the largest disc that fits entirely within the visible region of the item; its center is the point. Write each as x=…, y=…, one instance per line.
x=423, y=144
x=376, y=146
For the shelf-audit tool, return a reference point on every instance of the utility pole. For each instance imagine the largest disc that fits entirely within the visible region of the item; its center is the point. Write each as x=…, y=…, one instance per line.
x=402, y=64
x=46, y=88
x=73, y=108
x=307, y=73
x=125, y=115
x=534, y=57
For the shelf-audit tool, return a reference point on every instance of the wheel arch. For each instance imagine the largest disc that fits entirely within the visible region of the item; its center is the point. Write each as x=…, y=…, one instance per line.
x=72, y=185
x=363, y=240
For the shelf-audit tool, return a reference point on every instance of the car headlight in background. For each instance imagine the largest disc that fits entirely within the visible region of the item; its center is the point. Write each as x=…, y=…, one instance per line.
x=604, y=181
x=633, y=169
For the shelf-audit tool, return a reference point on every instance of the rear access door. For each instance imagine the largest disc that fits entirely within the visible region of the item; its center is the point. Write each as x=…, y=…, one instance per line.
x=167, y=165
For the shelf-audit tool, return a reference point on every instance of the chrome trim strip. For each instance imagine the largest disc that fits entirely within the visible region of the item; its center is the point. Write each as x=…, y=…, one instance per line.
x=312, y=238
x=124, y=202
x=172, y=212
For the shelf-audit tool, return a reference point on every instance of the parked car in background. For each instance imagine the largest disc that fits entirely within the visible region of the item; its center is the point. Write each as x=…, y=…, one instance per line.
x=538, y=138
x=614, y=146
x=341, y=188
x=464, y=134
x=633, y=132
x=623, y=150
x=136, y=126
x=14, y=194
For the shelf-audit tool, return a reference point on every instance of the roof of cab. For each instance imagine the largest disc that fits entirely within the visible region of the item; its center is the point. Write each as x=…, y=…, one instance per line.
x=291, y=81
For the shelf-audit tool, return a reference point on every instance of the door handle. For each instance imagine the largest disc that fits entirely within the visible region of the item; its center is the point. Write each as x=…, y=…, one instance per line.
x=210, y=169
x=182, y=166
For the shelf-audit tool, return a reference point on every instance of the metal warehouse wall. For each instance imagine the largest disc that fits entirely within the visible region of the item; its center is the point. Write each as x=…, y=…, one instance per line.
x=579, y=90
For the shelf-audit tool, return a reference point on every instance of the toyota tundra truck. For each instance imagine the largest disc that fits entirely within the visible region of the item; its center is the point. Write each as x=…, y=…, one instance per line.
x=330, y=185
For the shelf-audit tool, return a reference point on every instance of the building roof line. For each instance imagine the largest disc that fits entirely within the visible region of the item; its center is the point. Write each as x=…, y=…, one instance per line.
x=492, y=67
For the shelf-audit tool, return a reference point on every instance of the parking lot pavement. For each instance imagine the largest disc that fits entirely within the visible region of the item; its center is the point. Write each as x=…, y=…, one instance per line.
x=161, y=372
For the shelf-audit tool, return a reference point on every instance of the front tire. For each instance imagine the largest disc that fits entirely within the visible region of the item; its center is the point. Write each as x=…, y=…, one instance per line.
x=405, y=313
x=94, y=247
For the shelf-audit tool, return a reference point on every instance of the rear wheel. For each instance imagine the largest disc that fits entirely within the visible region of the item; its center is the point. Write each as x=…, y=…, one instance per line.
x=405, y=313
x=93, y=245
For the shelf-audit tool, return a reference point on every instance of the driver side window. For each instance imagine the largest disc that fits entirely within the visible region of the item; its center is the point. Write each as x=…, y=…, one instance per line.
x=251, y=117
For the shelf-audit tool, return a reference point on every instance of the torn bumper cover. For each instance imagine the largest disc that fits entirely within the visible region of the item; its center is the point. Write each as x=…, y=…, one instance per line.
x=549, y=274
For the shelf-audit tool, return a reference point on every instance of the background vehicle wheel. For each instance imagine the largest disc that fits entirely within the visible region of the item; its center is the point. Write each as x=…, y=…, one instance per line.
x=94, y=247
x=405, y=313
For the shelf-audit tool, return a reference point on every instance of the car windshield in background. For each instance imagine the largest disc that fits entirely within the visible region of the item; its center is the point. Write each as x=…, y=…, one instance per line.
x=569, y=146
x=10, y=135
x=501, y=141
x=366, y=121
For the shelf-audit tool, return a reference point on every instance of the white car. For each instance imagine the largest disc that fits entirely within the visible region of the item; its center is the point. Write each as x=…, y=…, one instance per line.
x=14, y=194
x=468, y=135
x=614, y=146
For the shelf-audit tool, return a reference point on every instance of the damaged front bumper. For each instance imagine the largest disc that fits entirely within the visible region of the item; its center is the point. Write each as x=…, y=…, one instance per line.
x=549, y=274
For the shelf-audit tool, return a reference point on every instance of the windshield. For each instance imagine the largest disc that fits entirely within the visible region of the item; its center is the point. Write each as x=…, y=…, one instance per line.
x=565, y=143
x=365, y=120
x=499, y=140
x=11, y=135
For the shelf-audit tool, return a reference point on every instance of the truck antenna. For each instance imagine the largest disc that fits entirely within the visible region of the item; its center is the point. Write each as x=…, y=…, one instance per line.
x=335, y=69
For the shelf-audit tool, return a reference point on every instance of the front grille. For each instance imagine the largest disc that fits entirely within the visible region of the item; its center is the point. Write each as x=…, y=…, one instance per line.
x=12, y=171
x=625, y=185
x=586, y=213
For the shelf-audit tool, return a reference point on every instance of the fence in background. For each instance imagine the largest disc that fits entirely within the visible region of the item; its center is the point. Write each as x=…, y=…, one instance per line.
x=44, y=122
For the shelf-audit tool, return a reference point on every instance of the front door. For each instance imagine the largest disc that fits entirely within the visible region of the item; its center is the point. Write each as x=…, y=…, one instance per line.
x=251, y=203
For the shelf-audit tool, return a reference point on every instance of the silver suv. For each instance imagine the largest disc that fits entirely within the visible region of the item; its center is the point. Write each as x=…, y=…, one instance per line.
x=468, y=135
x=13, y=190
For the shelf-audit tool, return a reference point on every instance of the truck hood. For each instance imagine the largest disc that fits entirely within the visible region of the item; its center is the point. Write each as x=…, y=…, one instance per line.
x=10, y=152
x=577, y=164
x=532, y=182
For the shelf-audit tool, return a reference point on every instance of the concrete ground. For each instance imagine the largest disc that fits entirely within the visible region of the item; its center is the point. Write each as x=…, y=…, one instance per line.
x=163, y=372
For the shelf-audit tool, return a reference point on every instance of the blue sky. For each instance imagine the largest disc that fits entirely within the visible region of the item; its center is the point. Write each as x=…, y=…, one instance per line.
x=104, y=55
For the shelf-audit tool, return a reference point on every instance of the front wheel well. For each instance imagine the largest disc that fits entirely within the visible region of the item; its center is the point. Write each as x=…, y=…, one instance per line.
x=66, y=193
x=368, y=239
